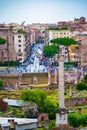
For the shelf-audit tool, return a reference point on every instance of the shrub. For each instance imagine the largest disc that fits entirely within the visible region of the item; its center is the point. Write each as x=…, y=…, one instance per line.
x=1, y=85
x=10, y=63
x=81, y=86
x=74, y=120
x=85, y=78
x=77, y=120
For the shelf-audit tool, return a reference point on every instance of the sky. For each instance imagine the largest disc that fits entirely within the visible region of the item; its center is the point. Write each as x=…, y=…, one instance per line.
x=41, y=11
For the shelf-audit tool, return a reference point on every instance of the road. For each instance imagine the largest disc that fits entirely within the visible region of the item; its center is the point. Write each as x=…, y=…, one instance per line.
x=33, y=62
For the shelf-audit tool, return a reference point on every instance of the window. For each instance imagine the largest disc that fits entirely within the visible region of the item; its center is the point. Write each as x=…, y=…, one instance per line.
x=26, y=36
x=19, y=45
x=19, y=36
x=19, y=40
x=19, y=50
x=20, y=55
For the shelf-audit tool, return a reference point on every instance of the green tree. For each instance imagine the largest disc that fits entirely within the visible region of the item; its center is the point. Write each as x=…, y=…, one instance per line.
x=77, y=120
x=2, y=42
x=85, y=78
x=21, y=31
x=1, y=85
x=50, y=51
x=83, y=120
x=37, y=96
x=81, y=86
x=64, y=41
x=74, y=120
x=58, y=28
x=50, y=108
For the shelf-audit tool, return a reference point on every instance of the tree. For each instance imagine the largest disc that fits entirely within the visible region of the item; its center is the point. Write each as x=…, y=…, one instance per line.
x=21, y=31
x=59, y=28
x=50, y=108
x=85, y=78
x=37, y=96
x=83, y=120
x=77, y=120
x=64, y=41
x=74, y=120
x=50, y=51
x=2, y=42
x=1, y=85
x=81, y=86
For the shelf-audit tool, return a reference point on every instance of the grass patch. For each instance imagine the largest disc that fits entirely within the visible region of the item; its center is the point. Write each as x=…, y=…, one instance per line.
x=39, y=85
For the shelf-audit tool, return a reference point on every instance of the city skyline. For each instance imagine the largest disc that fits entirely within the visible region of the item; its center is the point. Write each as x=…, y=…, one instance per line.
x=37, y=11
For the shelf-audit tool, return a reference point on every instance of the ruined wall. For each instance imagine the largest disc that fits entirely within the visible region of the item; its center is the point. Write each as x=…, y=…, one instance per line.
x=76, y=101
x=14, y=80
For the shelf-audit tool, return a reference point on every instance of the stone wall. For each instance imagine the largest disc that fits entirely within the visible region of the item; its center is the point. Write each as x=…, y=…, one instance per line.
x=34, y=78
x=14, y=80
x=76, y=101
x=43, y=116
x=11, y=80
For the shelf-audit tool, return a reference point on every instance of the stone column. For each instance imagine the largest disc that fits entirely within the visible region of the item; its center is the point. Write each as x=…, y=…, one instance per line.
x=49, y=76
x=61, y=82
x=61, y=113
x=76, y=74
x=56, y=75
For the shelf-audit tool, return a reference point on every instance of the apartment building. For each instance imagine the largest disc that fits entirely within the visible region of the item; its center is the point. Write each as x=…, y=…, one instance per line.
x=7, y=51
x=57, y=33
x=22, y=45
x=82, y=51
x=53, y=33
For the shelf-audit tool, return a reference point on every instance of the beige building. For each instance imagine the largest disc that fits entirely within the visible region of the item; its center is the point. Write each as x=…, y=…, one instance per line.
x=22, y=45
x=52, y=34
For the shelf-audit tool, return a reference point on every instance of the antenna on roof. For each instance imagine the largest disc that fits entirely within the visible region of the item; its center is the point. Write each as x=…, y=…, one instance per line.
x=23, y=23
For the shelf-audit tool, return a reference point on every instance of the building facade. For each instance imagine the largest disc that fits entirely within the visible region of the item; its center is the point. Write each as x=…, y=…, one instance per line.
x=52, y=34
x=7, y=51
x=22, y=45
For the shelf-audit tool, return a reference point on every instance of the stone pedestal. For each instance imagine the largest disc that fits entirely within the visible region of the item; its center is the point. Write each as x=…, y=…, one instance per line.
x=61, y=117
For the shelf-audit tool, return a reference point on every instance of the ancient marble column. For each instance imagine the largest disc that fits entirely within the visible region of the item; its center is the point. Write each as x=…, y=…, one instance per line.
x=61, y=113
x=56, y=75
x=61, y=82
x=49, y=76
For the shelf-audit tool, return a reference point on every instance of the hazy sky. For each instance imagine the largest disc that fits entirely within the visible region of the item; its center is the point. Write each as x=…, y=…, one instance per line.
x=41, y=11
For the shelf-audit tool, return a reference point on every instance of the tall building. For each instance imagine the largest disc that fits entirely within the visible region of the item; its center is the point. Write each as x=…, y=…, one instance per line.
x=54, y=33
x=81, y=20
x=22, y=45
x=83, y=51
x=7, y=51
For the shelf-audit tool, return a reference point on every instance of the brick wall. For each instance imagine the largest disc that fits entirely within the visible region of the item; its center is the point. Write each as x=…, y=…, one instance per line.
x=29, y=78
x=3, y=105
x=76, y=101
